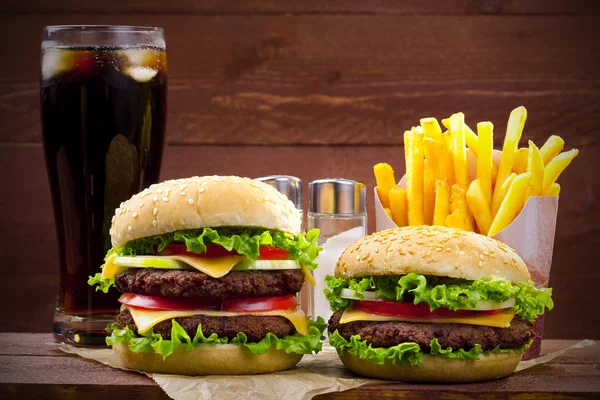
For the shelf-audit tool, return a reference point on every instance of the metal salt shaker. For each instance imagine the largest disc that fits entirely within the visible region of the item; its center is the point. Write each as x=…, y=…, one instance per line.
x=334, y=206
x=292, y=188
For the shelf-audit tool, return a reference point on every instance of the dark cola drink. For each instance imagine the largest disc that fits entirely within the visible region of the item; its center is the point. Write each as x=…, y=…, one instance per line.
x=103, y=122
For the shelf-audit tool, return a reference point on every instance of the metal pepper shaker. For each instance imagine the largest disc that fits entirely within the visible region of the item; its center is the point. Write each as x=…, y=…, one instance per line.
x=335, y=206
x=287, y=185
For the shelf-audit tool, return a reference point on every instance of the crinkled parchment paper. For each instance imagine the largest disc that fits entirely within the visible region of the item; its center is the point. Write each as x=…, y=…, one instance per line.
x=317, y=374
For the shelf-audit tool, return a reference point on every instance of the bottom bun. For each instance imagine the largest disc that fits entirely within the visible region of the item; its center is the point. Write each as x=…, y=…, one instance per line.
x=209, y=359
x=437, y=368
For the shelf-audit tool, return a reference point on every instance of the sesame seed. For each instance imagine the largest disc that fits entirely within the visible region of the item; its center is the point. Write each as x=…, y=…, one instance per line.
x=482, y=257
x=129, y=228
x=448, y=249
x=462, y=253
x=266, y=198
x=376, y=250
x=183, y=193
x=201, y=189
x=154, y=223
x=205, y=183
x=182, y=187
x=165, y=199
x=159, y=191
x=155, y=211
x=190, y=201
x=155, y=199
x=141, y=204
x=134, y=215
x=358, y=258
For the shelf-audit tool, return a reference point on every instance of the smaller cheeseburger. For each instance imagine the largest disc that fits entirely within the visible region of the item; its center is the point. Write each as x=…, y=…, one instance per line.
x=209, y=267
x=432, y=304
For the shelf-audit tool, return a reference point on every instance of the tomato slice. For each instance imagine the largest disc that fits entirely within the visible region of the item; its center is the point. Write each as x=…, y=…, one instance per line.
x=167, y=303
x=421, y=310
x=272, y=253
x=286, y=302
x=216, y=250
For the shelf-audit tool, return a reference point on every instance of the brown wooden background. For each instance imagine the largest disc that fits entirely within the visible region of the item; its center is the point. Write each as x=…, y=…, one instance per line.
x=320, y=89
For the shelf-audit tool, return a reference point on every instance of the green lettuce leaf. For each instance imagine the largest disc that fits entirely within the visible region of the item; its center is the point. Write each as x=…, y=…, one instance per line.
x=150, y=341
x=303, y=248
x=439, y=292
x=102, y=284
x=409, y=352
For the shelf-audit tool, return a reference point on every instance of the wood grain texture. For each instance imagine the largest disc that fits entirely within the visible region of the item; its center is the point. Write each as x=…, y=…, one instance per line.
x=340, y=79
x=574, y=270
x=568, y=7
x=46, y=372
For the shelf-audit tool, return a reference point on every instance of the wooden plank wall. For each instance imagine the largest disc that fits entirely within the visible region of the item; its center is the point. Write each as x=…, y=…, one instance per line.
x=320, y=89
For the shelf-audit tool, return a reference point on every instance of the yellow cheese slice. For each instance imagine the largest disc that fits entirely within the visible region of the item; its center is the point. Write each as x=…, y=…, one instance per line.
x=110, y=269
x=215, y=267
x=309, y=278
x=500, y=320
x=146, y=319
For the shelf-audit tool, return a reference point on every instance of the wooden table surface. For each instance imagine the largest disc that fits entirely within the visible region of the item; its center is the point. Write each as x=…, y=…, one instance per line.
x=32, y=367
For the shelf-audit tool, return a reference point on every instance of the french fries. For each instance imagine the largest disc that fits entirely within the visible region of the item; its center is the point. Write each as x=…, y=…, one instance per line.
x=484, y=160
x=470, y=136
x=438, y=188
x=458, y=205
x=455, y=220
x=428, y=198
x=431, y=129
x=516, y=123
x=552, y=190
x=521, y=160
x=413, y=150
x=398, y=206
x=557, y=166
x=384, y=176
x=553, y=146
x=535, y=166
x=449, y=163
x=511, y=204
x=436, y=161
x=459, y=153
x=442, y=202
x=479, y=206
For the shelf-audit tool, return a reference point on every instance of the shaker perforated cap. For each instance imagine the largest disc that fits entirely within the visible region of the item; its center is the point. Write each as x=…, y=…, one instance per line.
x=337, y=196
x=287, y=185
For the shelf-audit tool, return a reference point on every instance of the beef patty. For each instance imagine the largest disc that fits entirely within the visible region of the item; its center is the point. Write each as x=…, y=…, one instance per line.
x=388, y=334
x=192, y=283
x=255, y=327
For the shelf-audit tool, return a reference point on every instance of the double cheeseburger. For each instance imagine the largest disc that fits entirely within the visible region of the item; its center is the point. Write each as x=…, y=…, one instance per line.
x=432, y=304
x=209, y=267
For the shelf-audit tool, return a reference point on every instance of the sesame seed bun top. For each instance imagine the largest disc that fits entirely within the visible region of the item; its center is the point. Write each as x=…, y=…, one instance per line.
x=203, y=202
x=431, y=250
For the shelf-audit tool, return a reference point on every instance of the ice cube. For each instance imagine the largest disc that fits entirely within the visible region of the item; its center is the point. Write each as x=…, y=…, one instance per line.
x=141, y=57
x=141, y=74
x=55, y=61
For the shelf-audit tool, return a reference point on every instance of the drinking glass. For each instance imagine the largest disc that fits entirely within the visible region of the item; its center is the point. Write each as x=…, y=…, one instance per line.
x=103, y=109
